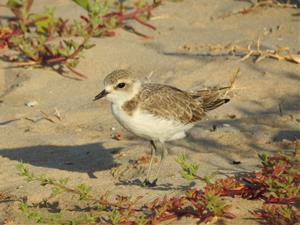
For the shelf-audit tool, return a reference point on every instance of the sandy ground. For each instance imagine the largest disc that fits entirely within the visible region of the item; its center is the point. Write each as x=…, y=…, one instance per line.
x=266, y=105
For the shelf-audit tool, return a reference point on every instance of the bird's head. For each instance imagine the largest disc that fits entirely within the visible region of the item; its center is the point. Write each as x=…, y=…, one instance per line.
x=119, y=86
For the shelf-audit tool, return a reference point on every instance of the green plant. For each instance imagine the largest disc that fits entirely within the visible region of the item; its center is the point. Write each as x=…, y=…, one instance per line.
x=96, y=23
x=34, y=35
x=278, y=214
x=188, y=169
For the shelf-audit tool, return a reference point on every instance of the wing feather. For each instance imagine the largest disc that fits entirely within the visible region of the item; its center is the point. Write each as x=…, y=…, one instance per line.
x=171, y=103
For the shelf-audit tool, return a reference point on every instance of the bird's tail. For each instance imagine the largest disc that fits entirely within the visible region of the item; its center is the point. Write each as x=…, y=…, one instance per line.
x=215, y=97
x=211, y=98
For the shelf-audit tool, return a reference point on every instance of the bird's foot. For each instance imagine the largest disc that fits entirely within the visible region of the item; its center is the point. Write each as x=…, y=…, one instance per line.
x=150, y=184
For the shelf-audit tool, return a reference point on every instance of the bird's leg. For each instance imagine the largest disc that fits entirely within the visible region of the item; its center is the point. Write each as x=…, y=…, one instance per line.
x=153, y=150
x=164, y=153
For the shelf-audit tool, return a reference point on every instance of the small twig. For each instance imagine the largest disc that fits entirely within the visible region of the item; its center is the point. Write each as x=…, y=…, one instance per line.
x=57, y=114
x=256, y=5
x=47, y=117
x=247, y=52
x=131, y=29
x=144, y=23
x=232, y=82
x=148, y=77
x=28, y=63
x=159, y=17
x=54, y=60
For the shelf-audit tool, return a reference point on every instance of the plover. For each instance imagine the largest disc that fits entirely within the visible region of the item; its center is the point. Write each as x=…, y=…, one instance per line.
x=156, y=112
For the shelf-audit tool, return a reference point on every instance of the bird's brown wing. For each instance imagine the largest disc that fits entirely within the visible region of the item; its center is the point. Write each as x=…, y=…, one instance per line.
x=168, y=102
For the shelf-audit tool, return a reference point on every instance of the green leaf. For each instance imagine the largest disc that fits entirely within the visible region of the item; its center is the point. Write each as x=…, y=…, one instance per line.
x=16, y=40
x=73, y=63
x=88, y=46
x=24, y=171
x=23, y=207
x=56, y=191
x=114, y=217
x=140, y=220
x=214, y=203
x=14, y=3
x=141, y=3
x=75, y=221
x=111, y=23
x=36, y=216
x=63, y=181
x=82, y=3
x=64, y=51
x=189, y=169
x=89, y=218
x=83, y=190
x=43, y=24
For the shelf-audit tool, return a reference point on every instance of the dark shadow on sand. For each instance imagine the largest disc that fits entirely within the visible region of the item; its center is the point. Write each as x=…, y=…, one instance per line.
x=87, y=158
x=248, y=125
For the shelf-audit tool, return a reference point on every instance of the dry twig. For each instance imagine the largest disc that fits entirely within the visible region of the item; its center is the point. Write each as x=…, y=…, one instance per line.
x=258, y=4
x=279, y=54
x=282, y=53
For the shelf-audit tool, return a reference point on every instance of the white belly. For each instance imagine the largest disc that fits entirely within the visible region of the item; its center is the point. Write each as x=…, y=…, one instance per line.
x=150, y=127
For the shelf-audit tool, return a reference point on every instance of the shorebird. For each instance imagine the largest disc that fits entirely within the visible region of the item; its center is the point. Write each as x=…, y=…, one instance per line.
x=156, y=112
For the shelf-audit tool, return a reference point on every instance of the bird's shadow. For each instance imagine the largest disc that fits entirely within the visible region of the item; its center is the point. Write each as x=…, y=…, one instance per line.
x=159, y=186
x=87, y=158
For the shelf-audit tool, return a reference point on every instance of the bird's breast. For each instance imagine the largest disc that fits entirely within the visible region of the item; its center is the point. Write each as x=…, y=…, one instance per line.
x=148, y=126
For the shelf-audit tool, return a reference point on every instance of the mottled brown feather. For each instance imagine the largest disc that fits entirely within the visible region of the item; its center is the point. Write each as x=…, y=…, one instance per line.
x=166, y=102
x=174, y=104
x=130, y=106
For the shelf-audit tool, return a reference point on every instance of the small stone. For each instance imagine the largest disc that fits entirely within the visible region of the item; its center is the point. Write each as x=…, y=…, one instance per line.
x=78, y=130
x=27, y=130
x=214, y=128
x=232, y=116
x=31, y=103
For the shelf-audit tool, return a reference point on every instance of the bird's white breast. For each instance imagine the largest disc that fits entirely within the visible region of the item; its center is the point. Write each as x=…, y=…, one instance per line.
x=145, y=125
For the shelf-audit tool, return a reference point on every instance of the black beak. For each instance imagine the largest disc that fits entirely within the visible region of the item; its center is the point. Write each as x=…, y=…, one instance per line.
x=101, y=95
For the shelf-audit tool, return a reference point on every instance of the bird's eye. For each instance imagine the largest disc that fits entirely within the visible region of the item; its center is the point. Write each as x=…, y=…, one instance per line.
x=121, y=85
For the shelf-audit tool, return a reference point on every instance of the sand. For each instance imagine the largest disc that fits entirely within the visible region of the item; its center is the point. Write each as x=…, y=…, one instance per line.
x=265, y=105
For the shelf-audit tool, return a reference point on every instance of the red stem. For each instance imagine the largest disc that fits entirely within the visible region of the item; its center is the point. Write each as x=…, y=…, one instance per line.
x=133, y=15
x=76, y=72
x=144, y=23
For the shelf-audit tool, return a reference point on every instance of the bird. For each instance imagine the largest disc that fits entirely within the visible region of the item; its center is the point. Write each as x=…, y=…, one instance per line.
x=157, y=112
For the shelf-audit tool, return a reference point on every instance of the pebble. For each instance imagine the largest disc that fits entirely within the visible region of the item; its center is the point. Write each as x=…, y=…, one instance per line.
x=31, y=103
